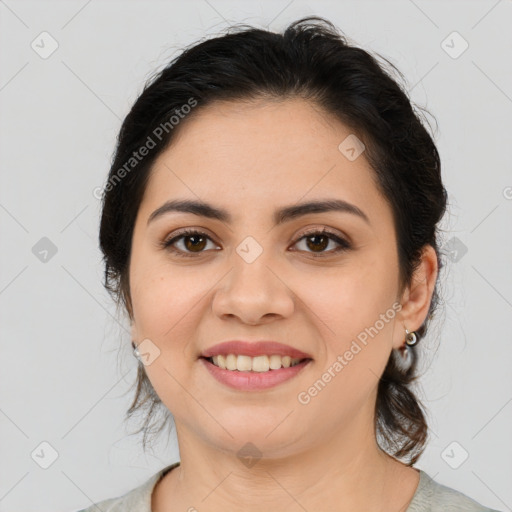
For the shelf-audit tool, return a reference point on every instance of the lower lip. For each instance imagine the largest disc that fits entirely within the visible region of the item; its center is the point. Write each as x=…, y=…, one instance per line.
x=253, y=381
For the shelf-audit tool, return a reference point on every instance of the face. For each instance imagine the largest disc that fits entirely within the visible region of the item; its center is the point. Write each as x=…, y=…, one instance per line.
x=246, y=277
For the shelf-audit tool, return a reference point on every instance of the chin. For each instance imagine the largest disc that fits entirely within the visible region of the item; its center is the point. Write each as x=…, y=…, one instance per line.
x=269, y=438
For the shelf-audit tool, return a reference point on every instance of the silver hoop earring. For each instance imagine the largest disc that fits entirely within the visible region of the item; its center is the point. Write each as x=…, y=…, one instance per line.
x=411, y=338
x=405, y=355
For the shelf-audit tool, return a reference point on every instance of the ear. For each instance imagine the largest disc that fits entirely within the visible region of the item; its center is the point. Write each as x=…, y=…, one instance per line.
x=417, y=297
x=129, y=311
x=133, y=330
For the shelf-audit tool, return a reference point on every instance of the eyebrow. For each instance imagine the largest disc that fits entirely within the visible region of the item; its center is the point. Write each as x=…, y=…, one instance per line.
x=281, y=216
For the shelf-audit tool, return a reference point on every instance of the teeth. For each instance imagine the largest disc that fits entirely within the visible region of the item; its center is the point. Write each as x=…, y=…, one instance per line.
x=258, y=363
x=255, y=364
x=275, y=362
x=243, y=364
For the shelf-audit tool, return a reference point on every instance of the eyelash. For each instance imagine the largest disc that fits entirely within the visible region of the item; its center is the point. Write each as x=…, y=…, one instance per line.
x=343, y=244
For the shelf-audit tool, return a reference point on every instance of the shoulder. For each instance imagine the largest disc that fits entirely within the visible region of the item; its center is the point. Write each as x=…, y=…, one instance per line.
x=432, y=496
x=138, y=498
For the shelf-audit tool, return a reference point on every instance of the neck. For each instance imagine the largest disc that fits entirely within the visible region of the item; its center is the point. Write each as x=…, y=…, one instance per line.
x=345, y=473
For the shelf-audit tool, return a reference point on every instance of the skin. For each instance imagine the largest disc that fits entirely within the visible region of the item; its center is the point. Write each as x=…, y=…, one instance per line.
x=251, y=159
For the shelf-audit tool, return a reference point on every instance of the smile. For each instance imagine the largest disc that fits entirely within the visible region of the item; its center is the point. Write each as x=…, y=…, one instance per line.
x=248, y=379
x=261, y=363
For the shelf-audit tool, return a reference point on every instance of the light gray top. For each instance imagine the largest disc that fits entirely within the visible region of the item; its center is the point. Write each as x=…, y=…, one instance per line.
x=430, y=496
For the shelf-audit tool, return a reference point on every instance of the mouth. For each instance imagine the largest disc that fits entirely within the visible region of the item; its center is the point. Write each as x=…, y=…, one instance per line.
x=239, y=374
x=256, y=364
x=254, y=349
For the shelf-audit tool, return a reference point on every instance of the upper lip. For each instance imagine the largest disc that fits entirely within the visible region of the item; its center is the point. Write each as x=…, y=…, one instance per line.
x=253, y=349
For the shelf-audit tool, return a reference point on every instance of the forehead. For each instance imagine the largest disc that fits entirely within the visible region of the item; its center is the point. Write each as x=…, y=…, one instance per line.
x=249, y=156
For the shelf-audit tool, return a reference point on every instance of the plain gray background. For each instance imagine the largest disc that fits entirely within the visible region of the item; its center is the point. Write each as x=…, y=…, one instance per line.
x=62, y=392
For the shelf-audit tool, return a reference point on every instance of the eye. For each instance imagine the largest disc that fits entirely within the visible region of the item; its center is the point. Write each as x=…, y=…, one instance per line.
x=193, y=242
x=196, y=241
x=319, y=240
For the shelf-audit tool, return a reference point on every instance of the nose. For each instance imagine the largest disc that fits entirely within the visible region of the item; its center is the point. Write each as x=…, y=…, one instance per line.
x=254, y=293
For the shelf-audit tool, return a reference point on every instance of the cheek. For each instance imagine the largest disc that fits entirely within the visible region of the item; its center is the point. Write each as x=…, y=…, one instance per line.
x=166, y=309
x=352, y=308
x=348, y=298
x=163, y=301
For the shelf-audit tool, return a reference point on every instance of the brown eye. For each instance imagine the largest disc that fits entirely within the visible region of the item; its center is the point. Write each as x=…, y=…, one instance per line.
x=195, y=242
x=192, y=242
x=318, y=241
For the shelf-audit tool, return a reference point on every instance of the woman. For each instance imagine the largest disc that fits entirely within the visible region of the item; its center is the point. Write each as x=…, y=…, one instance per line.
x=269, y=224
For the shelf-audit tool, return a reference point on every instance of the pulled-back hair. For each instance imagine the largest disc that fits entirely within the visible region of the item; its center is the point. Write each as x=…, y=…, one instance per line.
x=313, y=61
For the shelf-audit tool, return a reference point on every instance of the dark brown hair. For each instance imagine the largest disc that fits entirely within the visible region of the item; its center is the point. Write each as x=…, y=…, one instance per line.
x=313, y=61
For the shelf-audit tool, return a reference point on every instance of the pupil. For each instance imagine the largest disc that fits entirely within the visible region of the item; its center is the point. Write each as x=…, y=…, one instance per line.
x=316, y=245
x=194, y=245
